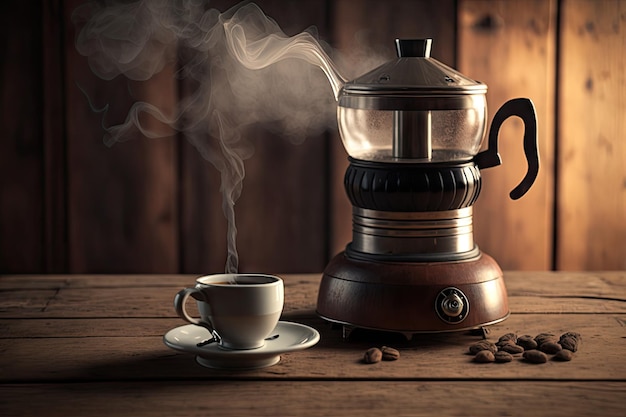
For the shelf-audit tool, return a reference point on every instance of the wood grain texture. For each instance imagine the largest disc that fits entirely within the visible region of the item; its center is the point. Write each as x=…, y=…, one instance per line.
x=92, y=345
x=281, y=216
x=21, y=144
x=301, y=289
x=323, y=398
x=511, y=47
x=70, y=204
x=592, y=153
x=122, y=206
x=54, y=138
x=56, y=303
x=138, y=354
x=126, y=317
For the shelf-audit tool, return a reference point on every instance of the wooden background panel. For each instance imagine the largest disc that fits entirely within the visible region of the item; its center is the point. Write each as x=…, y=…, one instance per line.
x=510, y=46
x=364, y=33
x=122, y=213
x=202, y=225
x=281, y=216
x=21, y=145
x=69, y=203
x=55, y=196
x=592, y=126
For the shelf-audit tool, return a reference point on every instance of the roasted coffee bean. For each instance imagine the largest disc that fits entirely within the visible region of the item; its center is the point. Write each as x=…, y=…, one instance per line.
x=564, y=355
x=506, y=339
x=484, y=356
x=502, y=357
x=550, y=347
x=570, y=341
x=527, y=342
x=482, y=345
x=373, y=355
x=535, y=356
x=389, y=354
x=575, y=335
x=542, y=338
x=511, y=348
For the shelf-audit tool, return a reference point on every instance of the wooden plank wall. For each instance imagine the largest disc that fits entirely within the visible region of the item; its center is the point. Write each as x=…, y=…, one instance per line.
x=68, y=203
x=21, y=146
x=591, y=173
x=510, y=46
x=282, y=214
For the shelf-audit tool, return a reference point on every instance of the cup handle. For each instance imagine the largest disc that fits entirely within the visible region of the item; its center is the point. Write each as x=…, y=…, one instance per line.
x=179, y=304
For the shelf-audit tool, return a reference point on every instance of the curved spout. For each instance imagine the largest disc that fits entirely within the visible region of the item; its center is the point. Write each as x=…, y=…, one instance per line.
x=258, y=54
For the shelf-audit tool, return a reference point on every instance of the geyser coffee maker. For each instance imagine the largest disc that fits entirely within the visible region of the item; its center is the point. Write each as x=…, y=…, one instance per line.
x=413, y=129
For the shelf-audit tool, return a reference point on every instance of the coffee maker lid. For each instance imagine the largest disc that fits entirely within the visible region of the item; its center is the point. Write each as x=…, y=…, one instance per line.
x=413, y=81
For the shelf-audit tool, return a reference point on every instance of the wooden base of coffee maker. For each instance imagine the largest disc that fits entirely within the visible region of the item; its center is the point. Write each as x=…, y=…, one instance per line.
x=413, y=297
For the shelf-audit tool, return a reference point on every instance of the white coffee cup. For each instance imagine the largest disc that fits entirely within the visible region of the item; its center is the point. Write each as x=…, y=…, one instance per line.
x=240, y=310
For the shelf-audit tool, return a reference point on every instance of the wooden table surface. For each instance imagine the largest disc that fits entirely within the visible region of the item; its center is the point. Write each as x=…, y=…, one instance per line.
x=93, y=345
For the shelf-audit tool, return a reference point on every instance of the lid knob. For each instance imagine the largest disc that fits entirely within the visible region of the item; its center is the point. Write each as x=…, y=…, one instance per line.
x=413, y=48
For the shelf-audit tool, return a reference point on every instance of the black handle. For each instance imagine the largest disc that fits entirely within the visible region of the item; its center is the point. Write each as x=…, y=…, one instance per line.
x=524, y=109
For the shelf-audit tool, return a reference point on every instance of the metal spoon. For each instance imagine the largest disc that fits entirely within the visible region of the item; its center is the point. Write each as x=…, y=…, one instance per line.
x=213, y=339
x=206, y=342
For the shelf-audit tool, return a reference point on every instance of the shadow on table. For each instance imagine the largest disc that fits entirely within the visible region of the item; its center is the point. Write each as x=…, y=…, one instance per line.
x=163, y=364
x=336, y=336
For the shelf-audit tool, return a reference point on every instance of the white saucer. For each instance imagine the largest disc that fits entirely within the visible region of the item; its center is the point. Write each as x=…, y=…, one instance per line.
x=291, y=337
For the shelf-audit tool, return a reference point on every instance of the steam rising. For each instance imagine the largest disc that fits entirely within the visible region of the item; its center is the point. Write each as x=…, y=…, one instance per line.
x=239, y=64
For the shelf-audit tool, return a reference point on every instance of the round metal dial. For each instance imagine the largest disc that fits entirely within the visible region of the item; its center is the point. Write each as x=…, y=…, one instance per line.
x=451, y=305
